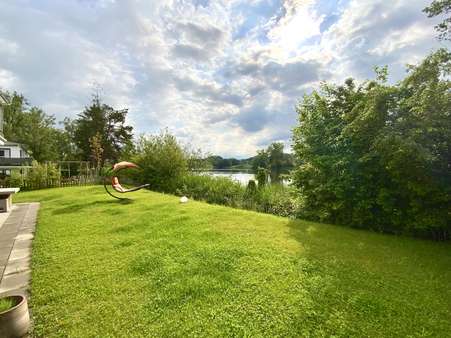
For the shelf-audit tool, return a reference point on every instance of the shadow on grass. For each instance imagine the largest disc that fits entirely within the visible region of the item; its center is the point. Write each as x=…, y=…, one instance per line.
x=359, y=273
x=73, y=208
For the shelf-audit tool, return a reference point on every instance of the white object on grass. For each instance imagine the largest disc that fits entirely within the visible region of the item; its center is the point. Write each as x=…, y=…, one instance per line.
x=184, y=199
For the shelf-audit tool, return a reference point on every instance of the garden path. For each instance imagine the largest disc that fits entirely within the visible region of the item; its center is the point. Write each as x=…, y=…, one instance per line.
x=16, y=236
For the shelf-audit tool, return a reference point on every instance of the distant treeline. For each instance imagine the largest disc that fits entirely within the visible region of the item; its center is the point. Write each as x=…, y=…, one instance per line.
x=251, y=163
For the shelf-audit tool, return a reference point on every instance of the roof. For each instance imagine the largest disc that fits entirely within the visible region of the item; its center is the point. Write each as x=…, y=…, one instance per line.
x=7, y=143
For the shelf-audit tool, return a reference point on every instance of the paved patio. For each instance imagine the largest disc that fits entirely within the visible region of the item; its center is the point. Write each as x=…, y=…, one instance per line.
x=16, y=236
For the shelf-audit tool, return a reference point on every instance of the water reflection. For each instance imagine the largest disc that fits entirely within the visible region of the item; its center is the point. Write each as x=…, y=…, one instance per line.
x=239, y=176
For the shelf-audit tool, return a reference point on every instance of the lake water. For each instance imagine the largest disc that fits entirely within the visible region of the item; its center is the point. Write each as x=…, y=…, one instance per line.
x=239, y=176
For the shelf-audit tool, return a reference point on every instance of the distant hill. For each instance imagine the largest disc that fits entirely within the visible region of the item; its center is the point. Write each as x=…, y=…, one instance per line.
x=219, y=162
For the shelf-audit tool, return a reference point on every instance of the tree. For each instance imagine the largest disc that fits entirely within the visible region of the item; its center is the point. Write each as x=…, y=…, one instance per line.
x=65, y=138
x=101, y=119
x=261, y=160
x=276, y=161
x=196, y=159
x=31, y=127
x=273, y=160
x=379, y=156
x=39, y=135
x=261, y=175
x=96, y=149
x=438, y=7
x=13, y=114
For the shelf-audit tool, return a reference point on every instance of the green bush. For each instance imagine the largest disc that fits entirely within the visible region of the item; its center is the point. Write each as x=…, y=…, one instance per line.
x=262, y=177
x=42, y=175
x=15, y=180
x=277, y=199
x=377, y=155
x=163, y=162
x=250, y=194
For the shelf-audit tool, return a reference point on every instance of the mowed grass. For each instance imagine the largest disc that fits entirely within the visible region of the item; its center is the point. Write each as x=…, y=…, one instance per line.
x=154, y=267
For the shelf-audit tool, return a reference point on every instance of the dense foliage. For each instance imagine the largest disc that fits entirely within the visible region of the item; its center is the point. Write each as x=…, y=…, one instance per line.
x=217, y=162
x=39, y=176
x=33, y=128
x=163, y=161
x=274, y=161
x=271, y=158
x=100, y=132
x=379, y=156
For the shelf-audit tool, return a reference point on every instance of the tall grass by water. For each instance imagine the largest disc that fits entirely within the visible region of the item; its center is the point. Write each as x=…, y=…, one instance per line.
x=275, y=199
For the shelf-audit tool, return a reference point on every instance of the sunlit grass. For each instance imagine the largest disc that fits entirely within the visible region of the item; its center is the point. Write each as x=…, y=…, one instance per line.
x=154, y=267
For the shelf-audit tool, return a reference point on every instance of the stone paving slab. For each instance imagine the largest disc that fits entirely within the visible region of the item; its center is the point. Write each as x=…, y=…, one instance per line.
x=15, y=283
x=18, y=265
x=16, y=237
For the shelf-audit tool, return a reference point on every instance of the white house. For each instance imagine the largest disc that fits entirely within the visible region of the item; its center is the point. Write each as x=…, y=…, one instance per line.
x=12, y=155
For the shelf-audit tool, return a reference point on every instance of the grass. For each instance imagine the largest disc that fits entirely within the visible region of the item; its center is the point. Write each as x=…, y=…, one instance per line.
x=6, y=304
x=154, y=267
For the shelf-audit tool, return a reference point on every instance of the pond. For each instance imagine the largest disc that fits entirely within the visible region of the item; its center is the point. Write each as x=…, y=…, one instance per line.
x=242, y=177
x=239, y=176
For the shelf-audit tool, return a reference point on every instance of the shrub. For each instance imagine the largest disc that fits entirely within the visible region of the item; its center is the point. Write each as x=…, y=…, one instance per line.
x=277, y=199
x=42, y=175
x=377, y=155
x=262, y=177
x=15, y=180
x=249, y=196
x=163, y=162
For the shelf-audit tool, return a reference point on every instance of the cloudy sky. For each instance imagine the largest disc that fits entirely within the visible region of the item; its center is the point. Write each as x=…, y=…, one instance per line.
x=223, y=75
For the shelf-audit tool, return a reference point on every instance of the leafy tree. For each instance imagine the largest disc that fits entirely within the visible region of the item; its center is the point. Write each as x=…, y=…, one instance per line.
x=261, y=160
x=65, y=139
x=96, y=149
x=196, y=159
x=31, y=127
x=261, y=175
x=438, y=7
x=13, y=114
x=39, y=135
x=379, y=156
x=276, y=161
x=101, y=119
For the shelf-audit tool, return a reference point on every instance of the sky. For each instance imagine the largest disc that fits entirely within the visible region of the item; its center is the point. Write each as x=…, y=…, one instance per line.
x=224, y=76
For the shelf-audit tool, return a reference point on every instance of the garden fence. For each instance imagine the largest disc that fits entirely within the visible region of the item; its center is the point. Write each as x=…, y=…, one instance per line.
x=55, y=183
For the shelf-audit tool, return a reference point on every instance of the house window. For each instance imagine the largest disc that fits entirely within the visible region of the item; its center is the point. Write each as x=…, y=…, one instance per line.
x=5, y=152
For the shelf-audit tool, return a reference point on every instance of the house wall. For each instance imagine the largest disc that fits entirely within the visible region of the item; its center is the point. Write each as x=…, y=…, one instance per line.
x=14, y=151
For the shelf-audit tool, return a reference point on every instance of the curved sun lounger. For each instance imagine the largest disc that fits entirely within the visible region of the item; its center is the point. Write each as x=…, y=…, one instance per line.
x=115, y=184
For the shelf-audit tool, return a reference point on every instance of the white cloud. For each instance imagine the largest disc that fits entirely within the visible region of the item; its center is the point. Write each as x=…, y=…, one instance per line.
x=223, y=75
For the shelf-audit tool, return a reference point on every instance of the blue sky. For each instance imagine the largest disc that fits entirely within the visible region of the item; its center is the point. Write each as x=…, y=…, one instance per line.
x=222, y=75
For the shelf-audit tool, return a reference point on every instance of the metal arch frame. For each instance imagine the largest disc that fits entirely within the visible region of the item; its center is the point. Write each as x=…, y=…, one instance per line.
x=109, y=175
x=108, y=192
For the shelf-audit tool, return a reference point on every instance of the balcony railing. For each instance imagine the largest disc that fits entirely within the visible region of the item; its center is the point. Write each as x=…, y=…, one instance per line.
x=6, y=161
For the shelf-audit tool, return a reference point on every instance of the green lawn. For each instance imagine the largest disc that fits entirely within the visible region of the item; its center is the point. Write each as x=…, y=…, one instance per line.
x=154, y=267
